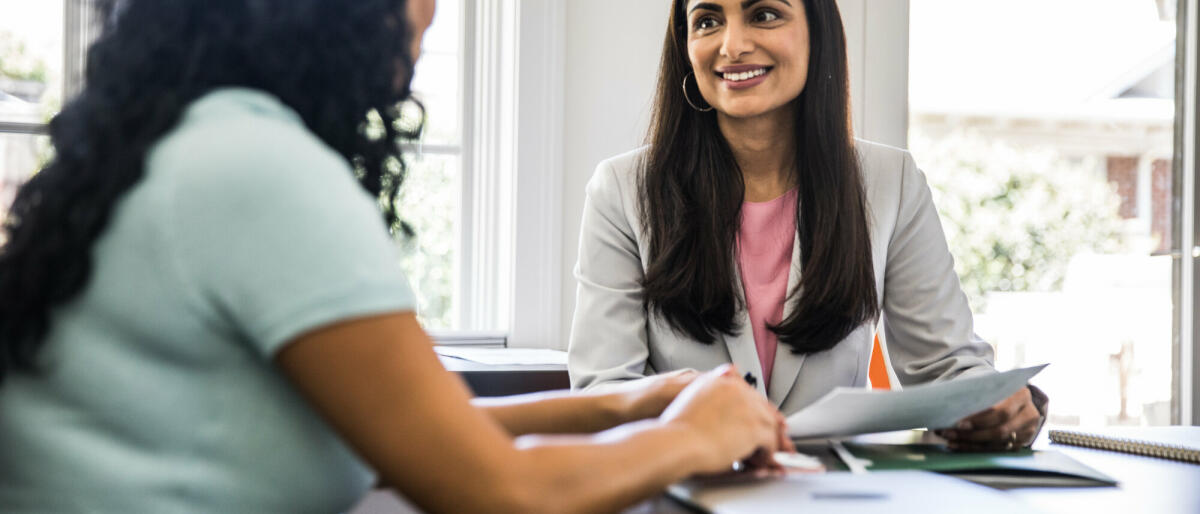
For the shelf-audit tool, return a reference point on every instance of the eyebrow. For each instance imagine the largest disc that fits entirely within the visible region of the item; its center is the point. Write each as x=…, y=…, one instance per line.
x=714, y=7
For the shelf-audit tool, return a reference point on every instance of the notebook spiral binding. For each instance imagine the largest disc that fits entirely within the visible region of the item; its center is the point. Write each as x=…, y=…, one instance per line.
x=1120, y=444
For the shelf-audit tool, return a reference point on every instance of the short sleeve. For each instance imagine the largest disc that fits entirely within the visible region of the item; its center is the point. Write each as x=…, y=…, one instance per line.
x=272, y=233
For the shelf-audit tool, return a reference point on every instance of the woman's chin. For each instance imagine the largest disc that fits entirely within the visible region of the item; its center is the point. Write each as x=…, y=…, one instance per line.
x=742, y=109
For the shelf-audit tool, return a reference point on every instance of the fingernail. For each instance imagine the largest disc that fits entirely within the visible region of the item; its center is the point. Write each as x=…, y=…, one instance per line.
x=964, y=425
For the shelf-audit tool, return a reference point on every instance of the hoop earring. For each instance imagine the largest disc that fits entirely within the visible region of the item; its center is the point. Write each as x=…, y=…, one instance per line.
x=685, y=93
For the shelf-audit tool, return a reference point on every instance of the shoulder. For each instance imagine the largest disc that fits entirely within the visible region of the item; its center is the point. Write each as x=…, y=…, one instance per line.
x=618, y=175
x=241, y=139
x=881, y=162
x=613, y=191
x=889, y=173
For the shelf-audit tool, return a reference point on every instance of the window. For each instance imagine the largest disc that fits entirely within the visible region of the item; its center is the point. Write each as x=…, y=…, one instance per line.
x=31, y=86
x=1046, y=130
x=431, y=195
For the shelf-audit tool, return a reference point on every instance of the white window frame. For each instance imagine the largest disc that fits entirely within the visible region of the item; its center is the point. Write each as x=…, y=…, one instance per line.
x=877, y=41
x=510, y=227
x=877, y=46
x=80, y=27
x=1187, y=140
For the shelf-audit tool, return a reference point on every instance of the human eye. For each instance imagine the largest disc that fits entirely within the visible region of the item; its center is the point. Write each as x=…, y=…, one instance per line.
x=704, y=22
x=765, y=16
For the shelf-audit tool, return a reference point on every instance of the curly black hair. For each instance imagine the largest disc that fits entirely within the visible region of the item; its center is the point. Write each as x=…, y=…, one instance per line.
x=335, y=63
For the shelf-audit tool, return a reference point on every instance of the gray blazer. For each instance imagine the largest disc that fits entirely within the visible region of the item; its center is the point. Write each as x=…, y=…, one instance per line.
x=926, y=320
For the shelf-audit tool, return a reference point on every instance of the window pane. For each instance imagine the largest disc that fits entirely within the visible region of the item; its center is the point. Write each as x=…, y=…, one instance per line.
x=430, y=196
x=437, y=82
x=429, y=201
x=31, y=59
x=20, y=156
x=1047, y=140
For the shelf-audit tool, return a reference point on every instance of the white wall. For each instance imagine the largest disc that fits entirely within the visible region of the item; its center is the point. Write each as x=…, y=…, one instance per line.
x=611, y=64
x=612, y=51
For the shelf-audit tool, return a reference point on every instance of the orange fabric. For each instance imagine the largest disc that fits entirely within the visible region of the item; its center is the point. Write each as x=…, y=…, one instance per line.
x=878, y=369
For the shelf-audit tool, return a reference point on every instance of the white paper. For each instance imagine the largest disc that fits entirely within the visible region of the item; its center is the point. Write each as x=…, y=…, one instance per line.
x=849, y=411
x=845, y=493
x=505, y=356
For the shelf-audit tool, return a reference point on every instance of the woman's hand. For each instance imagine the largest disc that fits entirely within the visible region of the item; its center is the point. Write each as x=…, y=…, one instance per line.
x=649, y=396
x=732, y=420
x=1013, y=423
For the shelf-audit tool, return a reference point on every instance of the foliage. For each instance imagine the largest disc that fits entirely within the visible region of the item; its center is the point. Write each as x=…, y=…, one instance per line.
x=1015, y=217
x=16, y=63
x=429, y=203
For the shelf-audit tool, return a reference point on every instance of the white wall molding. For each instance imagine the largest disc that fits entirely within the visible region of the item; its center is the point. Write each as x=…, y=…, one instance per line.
x=877, y=44
x=489, y=161
x=536, y=293
x=609, y=75
x=1187, y=354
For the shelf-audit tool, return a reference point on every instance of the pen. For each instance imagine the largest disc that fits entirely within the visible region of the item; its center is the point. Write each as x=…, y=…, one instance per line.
x=853, y=464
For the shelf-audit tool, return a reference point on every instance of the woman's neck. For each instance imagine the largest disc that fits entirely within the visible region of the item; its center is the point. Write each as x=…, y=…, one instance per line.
x=764, y=148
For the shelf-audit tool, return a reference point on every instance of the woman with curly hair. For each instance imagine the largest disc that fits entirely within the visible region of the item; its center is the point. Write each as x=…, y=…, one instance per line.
x=201, y=311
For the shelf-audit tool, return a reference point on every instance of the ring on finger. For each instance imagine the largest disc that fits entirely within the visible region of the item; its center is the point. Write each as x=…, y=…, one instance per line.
x=1012, y=440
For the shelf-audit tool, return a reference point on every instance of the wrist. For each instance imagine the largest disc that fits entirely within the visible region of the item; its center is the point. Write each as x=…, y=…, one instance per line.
x=690, y=443
x=618, y=408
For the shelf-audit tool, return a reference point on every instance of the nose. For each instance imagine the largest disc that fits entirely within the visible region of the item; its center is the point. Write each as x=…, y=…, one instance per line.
x=737, y=42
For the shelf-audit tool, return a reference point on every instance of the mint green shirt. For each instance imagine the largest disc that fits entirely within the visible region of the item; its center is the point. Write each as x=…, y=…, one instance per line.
x=159, y=393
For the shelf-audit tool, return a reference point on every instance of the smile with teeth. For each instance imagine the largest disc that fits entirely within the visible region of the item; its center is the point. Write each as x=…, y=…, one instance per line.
x=745, y=75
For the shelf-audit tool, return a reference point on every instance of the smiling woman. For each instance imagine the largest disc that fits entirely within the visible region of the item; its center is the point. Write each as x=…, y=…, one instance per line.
x=783, y=51
x=755, y=229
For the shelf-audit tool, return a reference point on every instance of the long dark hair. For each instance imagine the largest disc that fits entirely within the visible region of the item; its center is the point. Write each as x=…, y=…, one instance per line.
x=335, y=63
x=691, y=196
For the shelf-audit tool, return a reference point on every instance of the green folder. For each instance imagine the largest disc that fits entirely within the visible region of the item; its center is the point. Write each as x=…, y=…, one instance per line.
x=1003, y=470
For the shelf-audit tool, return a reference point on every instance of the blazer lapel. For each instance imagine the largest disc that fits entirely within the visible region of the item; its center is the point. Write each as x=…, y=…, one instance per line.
x=741, y=346
x=787, y=364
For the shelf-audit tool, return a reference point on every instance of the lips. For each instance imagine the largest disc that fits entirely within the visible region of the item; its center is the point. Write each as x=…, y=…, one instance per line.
x=743, y=72
x=743, y=76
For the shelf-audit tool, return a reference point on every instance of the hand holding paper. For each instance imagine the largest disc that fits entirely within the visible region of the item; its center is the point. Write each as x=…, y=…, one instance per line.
x=849, y=411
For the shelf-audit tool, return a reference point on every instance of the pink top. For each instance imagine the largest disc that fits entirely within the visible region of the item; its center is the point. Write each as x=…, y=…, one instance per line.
x=764, y=258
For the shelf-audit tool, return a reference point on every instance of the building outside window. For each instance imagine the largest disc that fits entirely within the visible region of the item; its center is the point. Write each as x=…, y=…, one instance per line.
x=1045, y=128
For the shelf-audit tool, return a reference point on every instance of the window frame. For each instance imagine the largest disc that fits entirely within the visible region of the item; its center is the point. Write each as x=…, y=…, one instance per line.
x=511, y=221
x=1186, y=351
x=79, y=28
x=877, y=47
x=878, y=63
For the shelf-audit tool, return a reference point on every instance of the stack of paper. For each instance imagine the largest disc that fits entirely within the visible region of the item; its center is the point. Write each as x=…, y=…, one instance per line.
x=505, y=356
x=843, y=493
x=849, y=411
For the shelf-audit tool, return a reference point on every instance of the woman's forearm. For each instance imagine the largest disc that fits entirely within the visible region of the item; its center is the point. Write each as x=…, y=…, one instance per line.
x=557, y=412
x=637, y=461
x=379, y=384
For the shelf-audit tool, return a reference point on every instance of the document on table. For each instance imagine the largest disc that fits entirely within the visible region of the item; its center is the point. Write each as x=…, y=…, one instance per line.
x=846, y=493
x=505, y=356
x=849, y=411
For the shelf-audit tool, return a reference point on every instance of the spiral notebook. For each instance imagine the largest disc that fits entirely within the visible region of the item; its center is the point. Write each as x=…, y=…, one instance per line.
x=1175, y=443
